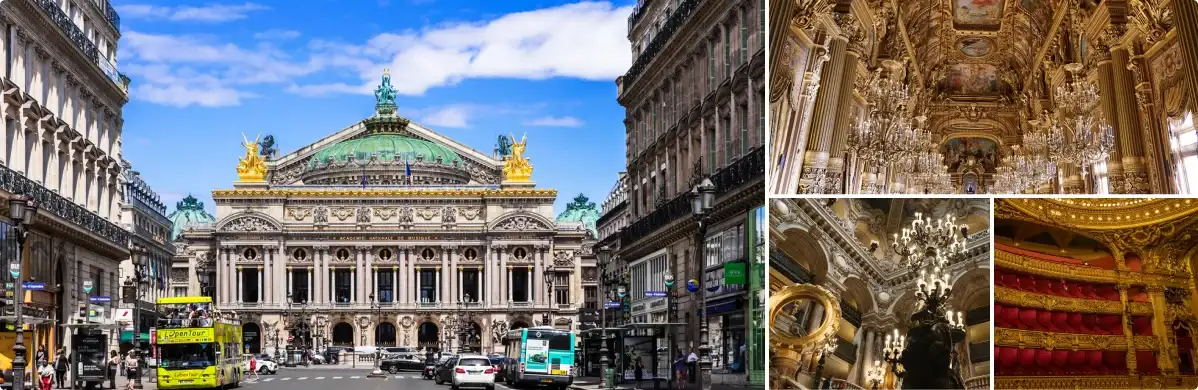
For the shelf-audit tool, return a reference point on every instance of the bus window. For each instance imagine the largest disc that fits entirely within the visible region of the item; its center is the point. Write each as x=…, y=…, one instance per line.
x=187, y=355
x=560, y=341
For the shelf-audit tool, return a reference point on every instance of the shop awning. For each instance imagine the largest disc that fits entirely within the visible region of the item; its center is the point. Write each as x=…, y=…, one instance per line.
x=127, y=337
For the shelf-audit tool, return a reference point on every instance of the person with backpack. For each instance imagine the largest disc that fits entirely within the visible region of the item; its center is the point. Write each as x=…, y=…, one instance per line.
x=114, y=360
x=132, y=371
x=61, y=364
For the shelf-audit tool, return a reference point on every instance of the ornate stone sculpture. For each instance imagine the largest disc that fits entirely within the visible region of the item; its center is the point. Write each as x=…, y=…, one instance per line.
x=364, y=215
x=249, y=224
x=504, y=147
x=406, y=215
x=498, y=329
x=251, y=168
x=269, y=151
x=522, y=223
x=449, y=215
x=320, y=215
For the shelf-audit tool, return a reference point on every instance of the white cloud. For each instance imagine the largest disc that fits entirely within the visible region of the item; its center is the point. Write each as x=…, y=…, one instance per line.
x=277, y=34
x=448, y=116
x=212, y=13
x=583, y=40
x=553, y=121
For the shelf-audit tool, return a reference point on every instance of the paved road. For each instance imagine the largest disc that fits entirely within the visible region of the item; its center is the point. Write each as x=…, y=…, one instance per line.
x=323, y=378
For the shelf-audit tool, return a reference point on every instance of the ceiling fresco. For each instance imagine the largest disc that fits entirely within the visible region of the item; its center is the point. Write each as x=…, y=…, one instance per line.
x=978, y=14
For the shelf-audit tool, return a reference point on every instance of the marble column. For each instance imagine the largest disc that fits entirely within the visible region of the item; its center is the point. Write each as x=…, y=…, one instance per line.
x=454, y=282
x=370, y=278
x=395, y=284
x=261, y=284
x=823, y=122
x=844, y=112
x=419, y=281
x=504, y=295
x=460, y=286
x=1127, y=334
x=1160, y=329
x=438, y=293
x=1185, y=16
x=537, y=295
x=1135, y=169
x=871, y=337
x=240, y=283
x=310, y=295
x=374, y=289
x=1106, y=96
x=508, y=283
x=816, y=319
x=530, y=296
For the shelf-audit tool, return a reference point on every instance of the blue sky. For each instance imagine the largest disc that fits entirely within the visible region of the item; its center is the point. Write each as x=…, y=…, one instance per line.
x=204, y=72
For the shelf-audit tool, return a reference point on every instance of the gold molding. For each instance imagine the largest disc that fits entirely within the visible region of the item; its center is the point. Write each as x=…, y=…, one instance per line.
x=1012, y=296
x=383, y=192
x=779, y=300
x=1071, y=341
x=1026, y=264
x=1096, y=382
x=1102, y=214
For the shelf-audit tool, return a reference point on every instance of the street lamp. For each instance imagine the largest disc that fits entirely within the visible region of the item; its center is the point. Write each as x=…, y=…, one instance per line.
x=830, y=342
x=297, y=328
x=205, y=280
x=136, y=256
x=21, y=210
x=605, y=363
x=669, y=279
x=549, y=287
x=702, y=200
x=378, y=352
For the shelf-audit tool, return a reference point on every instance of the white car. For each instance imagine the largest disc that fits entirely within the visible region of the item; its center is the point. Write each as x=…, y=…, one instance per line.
x=265, y=367
x=473, y=371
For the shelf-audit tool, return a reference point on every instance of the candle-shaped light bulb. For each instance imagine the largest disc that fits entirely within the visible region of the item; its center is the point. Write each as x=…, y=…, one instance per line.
x=960, y=319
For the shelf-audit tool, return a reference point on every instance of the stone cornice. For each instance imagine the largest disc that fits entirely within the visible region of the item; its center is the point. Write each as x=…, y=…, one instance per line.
x=384, y=193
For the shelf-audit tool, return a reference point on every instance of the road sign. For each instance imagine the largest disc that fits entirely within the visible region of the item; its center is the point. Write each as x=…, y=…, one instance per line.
x=87, y=286
x=655, y=294
x=611, y=305
x=33, y=285
x=14, y=269
x=100, y=299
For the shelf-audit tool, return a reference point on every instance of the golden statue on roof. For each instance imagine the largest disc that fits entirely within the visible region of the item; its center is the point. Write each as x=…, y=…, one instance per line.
x=251, y=168
x=517, y=168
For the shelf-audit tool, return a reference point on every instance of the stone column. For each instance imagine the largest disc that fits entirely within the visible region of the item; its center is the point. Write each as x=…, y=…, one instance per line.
x=369, y=278
x=537, y=295
x=816, y=319
x=240, y=283
x=1156, y=295
x=454, y=282
x=461, y=288
x=310, y=296
x=438, y=293
x=419, y=281
x=823, y=122
x=374, y=283
x=1185, y=15
x=1135, y=169
x=871, y=337
x=1106, y=96
x=395, y=285
x=836, y=163
x=261, y=284
x=504, y=295
x=508, y=283
x=287, y=290
x=531, y=297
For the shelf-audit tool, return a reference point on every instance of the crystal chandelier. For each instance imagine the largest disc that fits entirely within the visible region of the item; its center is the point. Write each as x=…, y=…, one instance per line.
x=886, y=134
x=1024, y=169
x=1084, y=135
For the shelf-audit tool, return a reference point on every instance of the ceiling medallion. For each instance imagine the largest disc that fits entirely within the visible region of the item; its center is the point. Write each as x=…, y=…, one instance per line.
x=975, y=46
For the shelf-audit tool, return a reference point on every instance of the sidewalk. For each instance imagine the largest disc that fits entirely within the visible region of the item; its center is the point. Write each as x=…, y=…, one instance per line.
x=718, y=382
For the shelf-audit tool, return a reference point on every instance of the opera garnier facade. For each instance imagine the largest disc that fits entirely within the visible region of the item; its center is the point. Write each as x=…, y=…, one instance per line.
x=879, y=294
x=1095, y=293
x=983, y=96
x=388, y=233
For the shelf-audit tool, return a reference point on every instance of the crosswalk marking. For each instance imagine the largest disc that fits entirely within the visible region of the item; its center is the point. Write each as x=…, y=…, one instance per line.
x=268, y=379
x=319, y=377
x=336, y=377
x=354, y=377
x=302, y=378
x=286, y=379
x=399, y=377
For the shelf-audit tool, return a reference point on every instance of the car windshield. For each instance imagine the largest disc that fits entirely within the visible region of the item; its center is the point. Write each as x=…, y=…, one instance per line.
x=187, y=355
x=474, y=362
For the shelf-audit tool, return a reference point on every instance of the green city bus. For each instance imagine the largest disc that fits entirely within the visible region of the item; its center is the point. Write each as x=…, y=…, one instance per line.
x=196, y=350
x=540, y=355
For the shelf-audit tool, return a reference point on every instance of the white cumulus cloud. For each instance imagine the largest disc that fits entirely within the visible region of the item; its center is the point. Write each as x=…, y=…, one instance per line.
x=212, y=13
x=554, y=121
x=449, y=116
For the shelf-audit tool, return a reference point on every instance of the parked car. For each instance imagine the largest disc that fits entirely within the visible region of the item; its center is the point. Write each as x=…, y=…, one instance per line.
x=265, y=367
x=445, y=370
x=500, y=363
x=394, y=363
x=473, y=371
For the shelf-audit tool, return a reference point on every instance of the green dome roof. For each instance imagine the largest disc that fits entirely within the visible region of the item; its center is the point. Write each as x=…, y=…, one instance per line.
x=188, y=211
x=387, y=147
x=581, y=211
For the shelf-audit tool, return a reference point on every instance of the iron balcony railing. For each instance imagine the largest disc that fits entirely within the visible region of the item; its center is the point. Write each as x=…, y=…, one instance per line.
x=749, y=167
x=113, y=17
x=79, y=38
x=850, y=314
x=637, y=12
x=50, y=202
x=677, y=19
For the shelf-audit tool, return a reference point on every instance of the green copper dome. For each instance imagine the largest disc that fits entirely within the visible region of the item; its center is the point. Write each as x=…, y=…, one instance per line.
x=581, y=211
x=387, y=147
x=188, y=211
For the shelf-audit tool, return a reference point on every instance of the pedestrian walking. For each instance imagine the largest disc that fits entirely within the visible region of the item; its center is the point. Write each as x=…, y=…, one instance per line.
x=680, y=371
x=131, y=370
x=46, y=371
x=692, y=362
x=639, y=373
x=114, y=360
x=253, y=369
x=61, y=364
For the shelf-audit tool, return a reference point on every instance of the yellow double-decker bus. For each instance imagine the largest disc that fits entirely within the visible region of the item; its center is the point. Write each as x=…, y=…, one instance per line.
x=197, y=350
